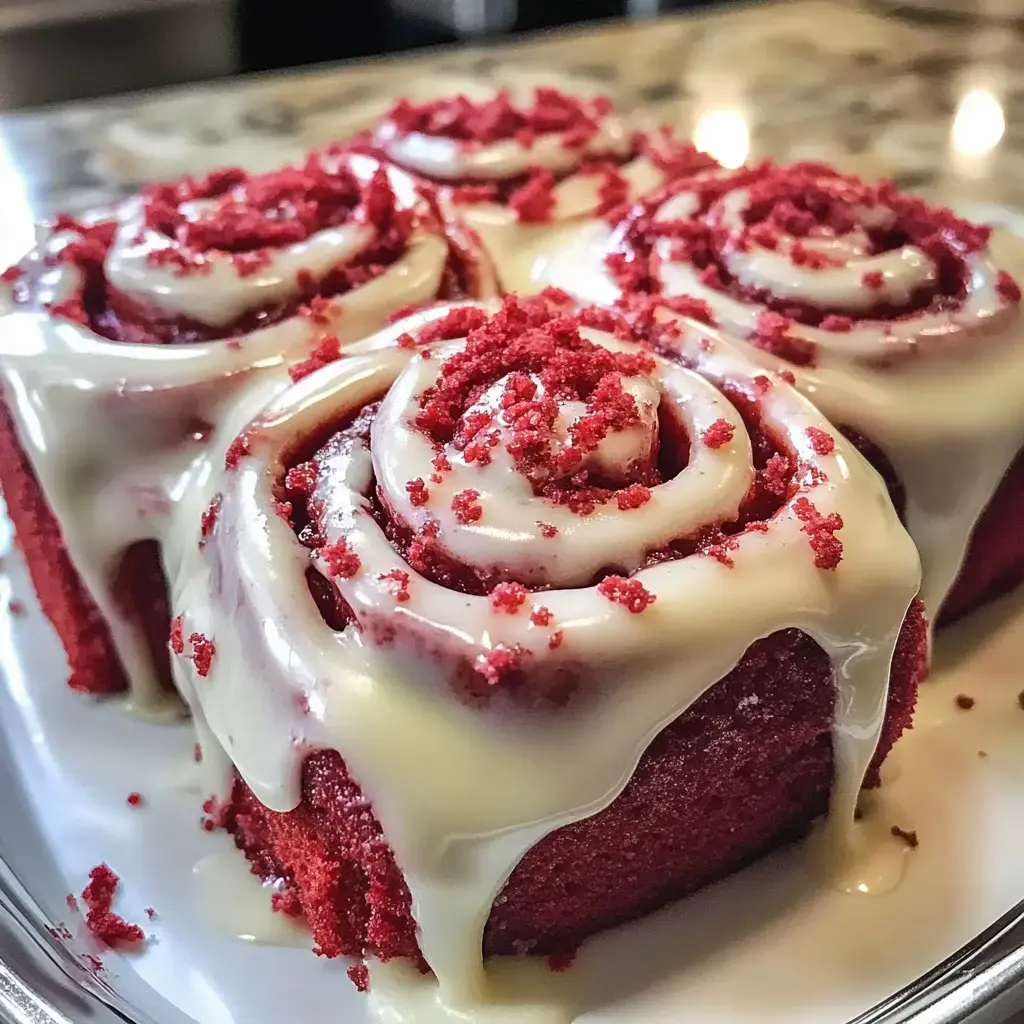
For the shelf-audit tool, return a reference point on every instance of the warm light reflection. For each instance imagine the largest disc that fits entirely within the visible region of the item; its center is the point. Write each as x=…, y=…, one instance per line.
x=979, y=123
x=17, y=232
x=724, y=134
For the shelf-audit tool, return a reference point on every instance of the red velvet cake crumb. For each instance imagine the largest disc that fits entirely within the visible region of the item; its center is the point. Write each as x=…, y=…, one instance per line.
x=630, y=593
x=541, y=616
x=209, y=518
x=359, y=975
x=1007, y=287
x=150, y=913
x=177, y=638
x=494, y=120
x=237, y=450
x=548, y=531
x=827, y=548
x=822, y=442
x=16, y=607
x=555, y=640
x=418, y=493
x=909, y=837
x=465, y=508
x=632, y=497
x=508, y=597
x=495, y=665
x=134, y=799
x=873, y=279
x=327, y=350
x=341, y=562
x=534, y=200
x=401, y=580
x=203, y=651
x=719, y=433
x=108, y=927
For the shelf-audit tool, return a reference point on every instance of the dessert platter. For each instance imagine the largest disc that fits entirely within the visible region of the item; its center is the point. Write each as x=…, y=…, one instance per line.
x=505, y=567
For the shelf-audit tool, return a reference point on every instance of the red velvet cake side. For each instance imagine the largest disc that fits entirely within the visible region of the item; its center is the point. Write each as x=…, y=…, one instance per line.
x=745, y=769
x=139, y=581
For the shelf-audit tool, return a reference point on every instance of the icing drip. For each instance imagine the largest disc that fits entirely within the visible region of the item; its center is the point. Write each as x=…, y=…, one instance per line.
x=111, y=427
x=912, y=344
x=461, y=794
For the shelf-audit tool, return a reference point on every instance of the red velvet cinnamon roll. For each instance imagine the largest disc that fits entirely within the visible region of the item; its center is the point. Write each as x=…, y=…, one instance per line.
x=450, y=589
x=122, y=338
x=520, y=172
x=900, y=320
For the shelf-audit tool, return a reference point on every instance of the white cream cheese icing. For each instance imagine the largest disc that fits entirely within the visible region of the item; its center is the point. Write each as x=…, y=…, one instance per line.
x=105, y=424
x=513, y=245
x=941, y=394
x=459, y=799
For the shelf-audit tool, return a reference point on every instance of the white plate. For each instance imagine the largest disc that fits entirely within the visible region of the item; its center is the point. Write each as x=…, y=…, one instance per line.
x=768, y=944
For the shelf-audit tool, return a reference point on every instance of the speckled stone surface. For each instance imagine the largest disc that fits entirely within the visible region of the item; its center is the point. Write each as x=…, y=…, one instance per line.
x=930, y=93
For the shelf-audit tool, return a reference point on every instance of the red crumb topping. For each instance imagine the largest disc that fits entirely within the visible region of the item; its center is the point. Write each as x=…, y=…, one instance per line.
x=341, y=561
x=633, y=496
x=71, y=901
x=630, y=593
x=359, y=975
x=827, y=548
x=16, y=607
x=788, y=209
x=497, y=119
x=555, y=640
x=1007, y=287
x=527, y=343
x=177, y=640
x=963, y=702
x=245, y=219
x=821, y=441
x=547, y=530
x=465, y=507
x=197, y=753
x=418, y=493
x=496, y=665
x=719, y=433
x=98, y=896
x=400, y=314
x=328, y=350
x=134, y=799
x=150, y=913
x=203, y=652
x=910, y=838
x=788, y=376
x=12, y=274
x=509, y=597
x=534, y=200
x=541, y=616
x=456, y=324
x=400, y=579
x=209, y=520
x=301, y=480
x=237, y=451
x=771, y=332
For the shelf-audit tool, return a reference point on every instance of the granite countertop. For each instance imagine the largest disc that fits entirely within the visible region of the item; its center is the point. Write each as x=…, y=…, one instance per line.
x=928, y=92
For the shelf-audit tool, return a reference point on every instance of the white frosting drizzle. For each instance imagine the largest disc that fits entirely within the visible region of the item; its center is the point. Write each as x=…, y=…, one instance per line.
x=445, y=159
x=512, y=245
x=460, y=796
x=948, y=412
x=215, y=293
x=104, y=423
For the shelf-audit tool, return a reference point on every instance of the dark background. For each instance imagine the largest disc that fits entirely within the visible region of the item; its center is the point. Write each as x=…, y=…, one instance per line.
x=60, y=50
